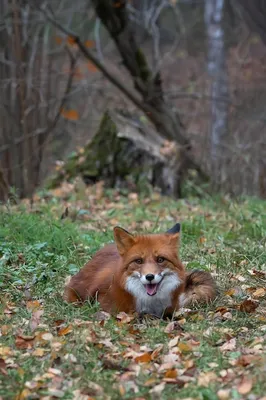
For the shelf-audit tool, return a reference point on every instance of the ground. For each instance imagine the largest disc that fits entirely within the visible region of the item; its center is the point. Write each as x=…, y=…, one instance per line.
x=50, y=349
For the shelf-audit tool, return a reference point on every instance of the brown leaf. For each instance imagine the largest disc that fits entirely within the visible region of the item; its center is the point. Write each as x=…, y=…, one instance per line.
x=156, y=352
x=33, y=304
x=248, y=306
x=229, y=345
x=3, y=370
x=101, y=316
x=205, y=378
x=245, y=385
x=259, y=292
x=144, y=358
x=38, y=352
x=65, y=331
x=124, y=317
x=24, y=342
x=35, y=319
x=171, y=373
x=173, y=326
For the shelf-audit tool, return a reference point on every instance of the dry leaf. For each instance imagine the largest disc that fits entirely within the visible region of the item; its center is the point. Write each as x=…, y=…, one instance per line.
x=173, y=326
x=259, y=292
x=184, y=347
x=229, y=345
x=171, y=373
x=24, y=342
x=248, y=306
x=33, y=304
x=38, y=352
x=157, y=390
x=144, y=358
x=35, y=319
x=156, y=352
x=173, y=342
x=65, y=331
x=223, y=394
x=124, y=317
x=245, y=386
x=205, y=378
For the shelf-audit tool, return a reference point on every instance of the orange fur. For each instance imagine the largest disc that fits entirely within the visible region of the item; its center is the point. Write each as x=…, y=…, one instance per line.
x=106, y=277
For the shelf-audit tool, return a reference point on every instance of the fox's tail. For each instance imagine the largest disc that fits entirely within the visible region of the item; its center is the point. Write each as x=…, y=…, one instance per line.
x=199, y=287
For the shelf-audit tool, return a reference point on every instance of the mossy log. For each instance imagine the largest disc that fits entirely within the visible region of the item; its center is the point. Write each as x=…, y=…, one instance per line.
x=124, y=155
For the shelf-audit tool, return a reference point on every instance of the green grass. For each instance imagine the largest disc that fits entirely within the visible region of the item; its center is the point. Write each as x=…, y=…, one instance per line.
x=38, y=250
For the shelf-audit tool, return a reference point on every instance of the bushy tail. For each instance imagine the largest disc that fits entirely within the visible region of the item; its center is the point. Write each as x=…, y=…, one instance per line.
x=199, y=287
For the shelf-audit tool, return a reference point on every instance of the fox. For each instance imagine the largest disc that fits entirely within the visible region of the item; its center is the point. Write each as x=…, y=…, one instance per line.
x=140, y=274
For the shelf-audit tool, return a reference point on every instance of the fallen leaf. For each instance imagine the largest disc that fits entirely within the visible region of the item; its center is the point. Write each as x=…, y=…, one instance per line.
x=173, y=342
x=229, y=345
x=157, y=390
x=35, y=319
x=143, y=358
x=171, y=373
x=156, y=352
x=184, y=347
x=56, y=393
x=259, y=292
x=47, y=336
x=65, y=331
x=33, y=304
x=173, y=326
x=205, y=378
x=124, y=317
x=38, y=352
x=3, y=370
x=224, y=394
x=245, y=385
x=101, y=316
x=24, y=342
x=5, y=351
x=248, y=306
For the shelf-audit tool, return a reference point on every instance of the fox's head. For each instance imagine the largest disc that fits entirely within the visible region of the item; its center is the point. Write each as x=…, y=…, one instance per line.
x=150, y=263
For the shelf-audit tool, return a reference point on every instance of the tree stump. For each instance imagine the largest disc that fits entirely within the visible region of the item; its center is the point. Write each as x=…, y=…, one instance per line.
x=124, y=154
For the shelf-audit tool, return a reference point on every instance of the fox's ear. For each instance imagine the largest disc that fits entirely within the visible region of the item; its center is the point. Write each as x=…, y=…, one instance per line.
x=175, y=229
x=123, y=239
x=174, y=234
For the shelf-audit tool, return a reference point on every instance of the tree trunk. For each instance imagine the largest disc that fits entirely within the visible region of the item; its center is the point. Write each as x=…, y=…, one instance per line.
x=217, y=70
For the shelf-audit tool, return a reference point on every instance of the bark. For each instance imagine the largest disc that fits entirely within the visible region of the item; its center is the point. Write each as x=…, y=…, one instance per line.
x=217, y=70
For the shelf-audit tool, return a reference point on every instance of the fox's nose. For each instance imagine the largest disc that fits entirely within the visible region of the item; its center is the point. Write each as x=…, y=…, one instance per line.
x=149, y=277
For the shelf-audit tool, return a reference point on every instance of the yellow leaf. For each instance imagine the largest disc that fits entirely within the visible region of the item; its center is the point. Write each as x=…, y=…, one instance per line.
x=184, y=347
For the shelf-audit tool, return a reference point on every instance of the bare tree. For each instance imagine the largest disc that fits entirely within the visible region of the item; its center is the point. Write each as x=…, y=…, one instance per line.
x=217, y=70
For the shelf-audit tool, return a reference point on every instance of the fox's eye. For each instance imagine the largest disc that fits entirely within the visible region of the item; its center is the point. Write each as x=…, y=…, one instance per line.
x=160, y=260
x=138, y=261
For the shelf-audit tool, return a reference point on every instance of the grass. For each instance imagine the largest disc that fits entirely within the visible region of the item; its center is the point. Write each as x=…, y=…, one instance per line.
x=50, y=349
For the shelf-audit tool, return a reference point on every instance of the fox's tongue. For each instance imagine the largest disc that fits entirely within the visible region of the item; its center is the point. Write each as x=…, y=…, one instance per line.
x=151, y=289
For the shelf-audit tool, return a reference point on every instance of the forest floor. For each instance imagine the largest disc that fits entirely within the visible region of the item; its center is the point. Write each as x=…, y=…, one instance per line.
x=50, y=349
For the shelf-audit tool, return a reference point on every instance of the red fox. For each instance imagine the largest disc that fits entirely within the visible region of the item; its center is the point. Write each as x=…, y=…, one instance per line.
x=140, y=273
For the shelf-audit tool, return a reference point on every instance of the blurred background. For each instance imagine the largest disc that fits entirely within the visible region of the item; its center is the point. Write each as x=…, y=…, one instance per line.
x=184, y=83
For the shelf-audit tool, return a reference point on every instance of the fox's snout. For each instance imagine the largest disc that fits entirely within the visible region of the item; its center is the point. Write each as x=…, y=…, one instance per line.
x=150, y=278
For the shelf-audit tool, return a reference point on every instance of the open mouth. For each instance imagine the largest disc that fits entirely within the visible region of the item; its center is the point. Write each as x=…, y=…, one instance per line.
x=151, y=288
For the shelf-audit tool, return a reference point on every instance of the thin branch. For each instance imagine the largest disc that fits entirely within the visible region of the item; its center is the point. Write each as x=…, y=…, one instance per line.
x=90, y=56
